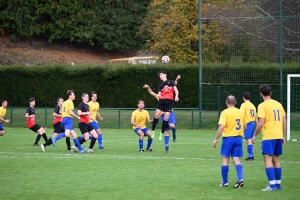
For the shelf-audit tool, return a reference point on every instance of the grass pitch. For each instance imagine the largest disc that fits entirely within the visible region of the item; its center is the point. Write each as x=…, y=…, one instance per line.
x=191, y=170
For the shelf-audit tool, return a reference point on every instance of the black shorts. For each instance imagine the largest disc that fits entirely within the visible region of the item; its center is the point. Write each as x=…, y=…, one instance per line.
x=165, y=105
x=85, y=128
x=58, y=128
x=35, y=128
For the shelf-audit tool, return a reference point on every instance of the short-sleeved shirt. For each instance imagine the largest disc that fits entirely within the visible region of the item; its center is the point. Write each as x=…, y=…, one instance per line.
x=57, y=110
x=166, y=89
x=31, y=120
x=84, y=107
x=2, y=112
x=273, y=113
x=94, y=108
x=249, y=111
x=140, y=118
x=233, y=120
x=66, y=107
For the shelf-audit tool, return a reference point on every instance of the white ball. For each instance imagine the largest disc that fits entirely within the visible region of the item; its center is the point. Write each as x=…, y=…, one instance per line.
x=165, y=59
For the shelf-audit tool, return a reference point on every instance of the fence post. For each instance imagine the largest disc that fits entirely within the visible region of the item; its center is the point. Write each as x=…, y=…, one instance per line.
x=119, y=122
x=192, y=117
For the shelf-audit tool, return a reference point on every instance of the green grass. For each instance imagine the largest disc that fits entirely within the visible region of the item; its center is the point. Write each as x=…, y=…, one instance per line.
x=191, y=170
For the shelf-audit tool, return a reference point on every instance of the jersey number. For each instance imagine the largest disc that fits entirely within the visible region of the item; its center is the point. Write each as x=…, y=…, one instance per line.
x=252, y=112
x=278, y=115
x=238, y=124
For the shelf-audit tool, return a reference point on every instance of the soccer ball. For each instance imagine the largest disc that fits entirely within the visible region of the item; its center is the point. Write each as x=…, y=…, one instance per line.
x=165, y=59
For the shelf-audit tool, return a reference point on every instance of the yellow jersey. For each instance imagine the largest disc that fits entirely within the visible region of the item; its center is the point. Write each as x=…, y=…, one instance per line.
x=140, y=118
x=233, y=120
x=273, y=113
x=249, y=111
x=94, y=109
x=66, y=107
x=2, y=112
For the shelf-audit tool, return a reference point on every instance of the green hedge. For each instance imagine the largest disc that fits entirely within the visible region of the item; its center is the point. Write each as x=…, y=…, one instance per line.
x=121, y=86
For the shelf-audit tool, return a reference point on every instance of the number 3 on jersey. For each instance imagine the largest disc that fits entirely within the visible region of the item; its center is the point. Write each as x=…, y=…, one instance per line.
x=238, y=124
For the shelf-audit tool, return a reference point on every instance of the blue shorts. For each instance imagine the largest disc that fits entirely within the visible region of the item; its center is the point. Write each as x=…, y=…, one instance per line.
x=271, y=147
x=94, y=125
x=249, y=132
x=67, y=123
x=172, y=119
x=144, y=130
x=1, y=127
x=232, y=146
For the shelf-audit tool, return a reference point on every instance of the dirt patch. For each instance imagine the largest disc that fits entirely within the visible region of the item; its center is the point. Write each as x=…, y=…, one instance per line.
x=40, y=52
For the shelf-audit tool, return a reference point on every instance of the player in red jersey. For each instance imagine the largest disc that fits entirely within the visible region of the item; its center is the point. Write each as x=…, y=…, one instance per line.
x=32, y=125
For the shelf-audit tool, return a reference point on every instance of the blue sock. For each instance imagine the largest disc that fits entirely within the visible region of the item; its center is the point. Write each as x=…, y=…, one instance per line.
x=271, y=176
x=80, y=137
x=141, y=144
x=278, y=172
x=250, y=150
x=174, y=132
x=149, y=143
x=91, y=137
x=61, y=135
x=224, y=171
x=239, y=171
x=100, y=140
x=76, y=142
x=166, y=139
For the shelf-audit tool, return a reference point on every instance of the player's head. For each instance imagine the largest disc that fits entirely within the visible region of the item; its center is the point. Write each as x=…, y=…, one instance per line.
x=230, y=101
x=93, y=96
x=60, y=101
x=70, y=95
x=141, y=104
x=265, y=90
x=162, y=75
x=85, y=97
x=32, y=102
x=246, y=96
x=4, y=103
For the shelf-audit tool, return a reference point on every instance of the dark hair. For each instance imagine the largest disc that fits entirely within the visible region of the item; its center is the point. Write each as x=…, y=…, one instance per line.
x=265, y=90
x=59, y=98
x=93, y=93
x=247, y=95
x=83, y=94
x=69, y=92
x=31, y=99
x=4, y=100
x=230, y=100
x=141, y=100
x=161, y=72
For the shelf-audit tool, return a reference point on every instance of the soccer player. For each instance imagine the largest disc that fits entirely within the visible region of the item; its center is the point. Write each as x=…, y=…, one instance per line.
x=59, y=131
x=166, y=92
x=172, y=118
x=139, y=118
x=2, y=115
x=249, y=111
x=231, y=126
x=94, y=108
x=32, y=125
x=272, y=124
x=67, y=121
x=84, y=122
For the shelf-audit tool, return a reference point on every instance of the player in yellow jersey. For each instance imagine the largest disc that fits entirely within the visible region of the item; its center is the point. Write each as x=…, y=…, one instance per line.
x=249, y=111
x=2, y=115
x=139, y=118
x=67, y=121
x=272, y=124
x=231, y=127
x=95, y=110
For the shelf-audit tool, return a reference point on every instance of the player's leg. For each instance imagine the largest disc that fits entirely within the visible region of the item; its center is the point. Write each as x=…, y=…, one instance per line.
x=35, y=129
x=237, y=153
x=42, y=132
x=99, y=133
x=140, y=133
x=225, y=153
x=159, y=108
x=276, y=164
x=49, y=142
x=147, y=132
x=248, y=134
x=58, y=128
x=166, y=139
x=76, y=142
x=167, y=109
x=161, y=133
x=267, y=150
x=93, y=140
x=172, y=125
x=1, y=129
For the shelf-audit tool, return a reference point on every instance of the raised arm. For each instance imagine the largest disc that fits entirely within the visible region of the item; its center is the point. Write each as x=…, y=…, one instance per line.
x=150, y=90
x=177, y=79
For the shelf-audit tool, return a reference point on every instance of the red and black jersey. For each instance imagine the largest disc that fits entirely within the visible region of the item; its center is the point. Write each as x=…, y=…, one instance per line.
x=30, y=120
x=57, y=110
x=84, y=108
x=166, y=89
